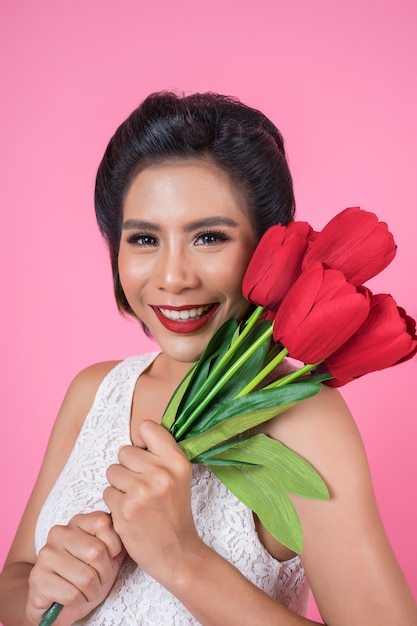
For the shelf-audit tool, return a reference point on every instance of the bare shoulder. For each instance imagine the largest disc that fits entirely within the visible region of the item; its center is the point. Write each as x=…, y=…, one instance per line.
x=84, y=386
x=80, y=397
x=89, y=378
x=345, y=545
x=323, y=430
x=76, y=404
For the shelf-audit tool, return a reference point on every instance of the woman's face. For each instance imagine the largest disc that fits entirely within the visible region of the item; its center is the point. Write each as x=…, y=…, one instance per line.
x=186, y=242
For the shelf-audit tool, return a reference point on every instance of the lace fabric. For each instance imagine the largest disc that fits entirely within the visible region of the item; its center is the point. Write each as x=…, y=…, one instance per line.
x=222, y=521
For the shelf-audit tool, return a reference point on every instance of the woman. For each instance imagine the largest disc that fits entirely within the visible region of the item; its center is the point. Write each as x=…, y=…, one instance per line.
x=185, y=190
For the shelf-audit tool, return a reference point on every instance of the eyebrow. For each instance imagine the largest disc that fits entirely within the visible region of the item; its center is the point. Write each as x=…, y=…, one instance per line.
x=217, y=220
x=140, y=225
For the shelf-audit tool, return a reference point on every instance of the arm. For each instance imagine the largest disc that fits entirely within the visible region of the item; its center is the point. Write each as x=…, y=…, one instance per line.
x=351, y=567
x=353, y=572
x=19, y=566
x=149, y=497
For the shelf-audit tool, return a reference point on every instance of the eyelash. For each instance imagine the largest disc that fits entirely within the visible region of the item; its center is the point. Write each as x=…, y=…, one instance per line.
x=146, y=239
x=139, y=239
x=212, y=234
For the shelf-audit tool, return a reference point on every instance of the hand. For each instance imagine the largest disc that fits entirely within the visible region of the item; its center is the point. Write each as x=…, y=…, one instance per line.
x=150, y=500
x=77, y=567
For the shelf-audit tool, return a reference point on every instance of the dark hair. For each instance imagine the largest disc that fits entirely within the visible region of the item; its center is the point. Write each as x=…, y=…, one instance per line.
x=237, y=138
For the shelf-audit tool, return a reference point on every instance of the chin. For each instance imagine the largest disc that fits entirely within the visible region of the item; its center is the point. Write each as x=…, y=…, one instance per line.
x=183, y=351
x=185, y=357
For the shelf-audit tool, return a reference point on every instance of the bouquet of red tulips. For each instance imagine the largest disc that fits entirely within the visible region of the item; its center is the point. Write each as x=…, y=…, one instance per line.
x=311, y=306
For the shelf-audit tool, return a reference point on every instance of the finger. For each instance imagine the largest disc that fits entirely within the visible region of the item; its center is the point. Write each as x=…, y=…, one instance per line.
x=67, y=577
x=164, y=450
x=48, y=589
x=113, y=498
x=91, y=523
x=73, y=548
x=123, y=479
x=134, y=458
x=100, y=525
x=157, y=439
x=138, y=460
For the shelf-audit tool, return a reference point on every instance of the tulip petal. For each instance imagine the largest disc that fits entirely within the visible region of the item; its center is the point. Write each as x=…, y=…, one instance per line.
x=275, y=264
x=261, y=261
x=319, y=314
x=387, y=337
x=327, y=328
x=298, y=302
x=355, y=243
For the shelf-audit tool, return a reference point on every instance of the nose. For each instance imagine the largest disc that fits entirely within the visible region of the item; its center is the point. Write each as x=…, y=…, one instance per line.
x=175, y=270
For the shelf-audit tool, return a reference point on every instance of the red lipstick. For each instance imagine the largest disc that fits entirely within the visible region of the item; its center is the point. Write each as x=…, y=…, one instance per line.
x=188, y=326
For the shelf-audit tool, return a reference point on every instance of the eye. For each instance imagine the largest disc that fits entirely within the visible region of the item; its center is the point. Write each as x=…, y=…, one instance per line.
x=210, y=238
x=142, y=239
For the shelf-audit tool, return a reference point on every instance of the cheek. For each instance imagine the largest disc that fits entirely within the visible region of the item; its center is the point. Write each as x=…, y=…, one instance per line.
x=131, y=271
x=242, y=261
x=231, y=274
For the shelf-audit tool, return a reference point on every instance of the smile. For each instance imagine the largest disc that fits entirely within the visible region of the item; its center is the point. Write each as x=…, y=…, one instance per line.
x=185, y=314
x=185, y=320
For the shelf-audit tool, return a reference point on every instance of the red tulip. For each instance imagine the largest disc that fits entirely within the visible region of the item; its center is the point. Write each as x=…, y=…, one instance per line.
x=276, y=264
x=319, y=313
x=355, y=243
x=387, y=337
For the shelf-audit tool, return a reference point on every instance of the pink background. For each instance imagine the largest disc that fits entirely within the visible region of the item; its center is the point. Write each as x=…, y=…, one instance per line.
x=338, y=78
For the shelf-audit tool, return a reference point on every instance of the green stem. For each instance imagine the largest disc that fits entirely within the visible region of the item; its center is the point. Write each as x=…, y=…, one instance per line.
x=271, y=365
x=221, y=382
x=51, y=614
x=293, y=376
x=207, y=385
x=276, y=348
x=250, y=323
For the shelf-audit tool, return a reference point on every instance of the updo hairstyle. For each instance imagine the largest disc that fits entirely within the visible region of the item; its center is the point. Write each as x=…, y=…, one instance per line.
x=219, y=129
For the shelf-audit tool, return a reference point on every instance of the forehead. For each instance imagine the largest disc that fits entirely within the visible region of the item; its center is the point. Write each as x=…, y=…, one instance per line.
x=184, y=185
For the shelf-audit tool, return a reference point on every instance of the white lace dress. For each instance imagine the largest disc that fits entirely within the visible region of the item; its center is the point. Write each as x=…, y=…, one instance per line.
x=222, y=521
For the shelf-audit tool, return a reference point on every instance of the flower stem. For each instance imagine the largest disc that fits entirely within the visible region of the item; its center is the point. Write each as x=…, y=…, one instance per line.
x=249, y=324
x=51, y=614
x=292, y=376
x=222, y=381
x=264, y=372
x=276, y=348
x=206, y=387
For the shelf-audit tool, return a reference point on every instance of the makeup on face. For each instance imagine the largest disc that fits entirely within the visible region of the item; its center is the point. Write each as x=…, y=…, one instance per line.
x=186, y=242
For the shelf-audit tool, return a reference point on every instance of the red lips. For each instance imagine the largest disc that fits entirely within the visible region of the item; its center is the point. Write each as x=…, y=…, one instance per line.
x=185, y=327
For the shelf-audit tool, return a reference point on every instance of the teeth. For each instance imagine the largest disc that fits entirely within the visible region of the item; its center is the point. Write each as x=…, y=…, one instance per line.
x=185, y=314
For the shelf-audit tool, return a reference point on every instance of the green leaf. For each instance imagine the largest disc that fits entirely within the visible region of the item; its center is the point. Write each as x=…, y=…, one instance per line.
x=235, y=336
x=226, y=381
x=253, y=487
x=215, y=452
x=227, y=420
x=216, y=348
x=250, y=366
x=222, y=462
x=294, y=473
x=315, y=378
x=266, y=470
x=170, y=412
